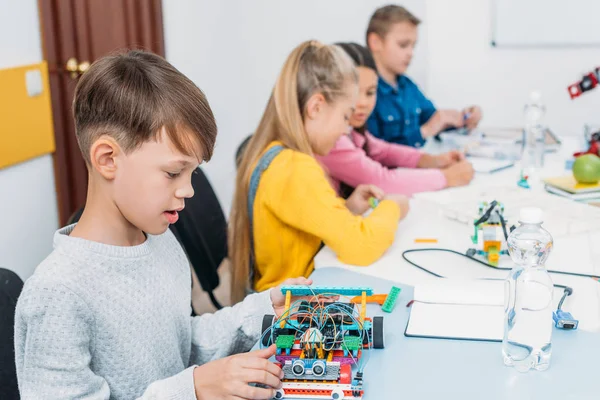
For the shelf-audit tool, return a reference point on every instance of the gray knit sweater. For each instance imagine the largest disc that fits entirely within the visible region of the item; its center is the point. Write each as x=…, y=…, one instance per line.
x=98, y=322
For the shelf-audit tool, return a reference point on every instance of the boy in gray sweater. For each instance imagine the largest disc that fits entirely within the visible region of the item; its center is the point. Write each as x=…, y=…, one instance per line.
x=107, y=314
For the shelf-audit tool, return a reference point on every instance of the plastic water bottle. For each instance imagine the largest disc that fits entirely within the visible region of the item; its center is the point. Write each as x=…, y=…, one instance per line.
x=532, y=158
x=528, y=296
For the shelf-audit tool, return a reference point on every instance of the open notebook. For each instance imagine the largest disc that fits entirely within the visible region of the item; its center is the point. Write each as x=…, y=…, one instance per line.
x=458, y=309
x=489, y=165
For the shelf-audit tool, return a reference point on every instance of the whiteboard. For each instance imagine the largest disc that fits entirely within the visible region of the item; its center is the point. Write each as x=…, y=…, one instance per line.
x=546, y=23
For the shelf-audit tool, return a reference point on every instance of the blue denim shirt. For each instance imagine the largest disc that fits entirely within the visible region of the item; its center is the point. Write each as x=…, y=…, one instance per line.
x=399, y=113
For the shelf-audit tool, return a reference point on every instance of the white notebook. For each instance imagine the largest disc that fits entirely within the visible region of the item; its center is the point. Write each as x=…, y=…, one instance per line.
x=489, y=165
x=458, y=309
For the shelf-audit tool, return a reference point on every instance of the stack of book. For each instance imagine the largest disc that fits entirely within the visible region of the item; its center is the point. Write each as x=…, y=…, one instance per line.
x=568, y=187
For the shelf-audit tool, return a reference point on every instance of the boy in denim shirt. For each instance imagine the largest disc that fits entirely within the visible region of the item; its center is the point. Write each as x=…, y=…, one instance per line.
x=403, y=114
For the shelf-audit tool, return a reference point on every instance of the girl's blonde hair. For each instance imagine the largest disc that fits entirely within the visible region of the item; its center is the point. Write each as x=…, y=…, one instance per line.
x=311, y=68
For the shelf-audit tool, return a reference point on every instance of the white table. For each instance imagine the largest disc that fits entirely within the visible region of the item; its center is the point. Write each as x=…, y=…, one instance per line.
x=426, y=369
x=571, y=253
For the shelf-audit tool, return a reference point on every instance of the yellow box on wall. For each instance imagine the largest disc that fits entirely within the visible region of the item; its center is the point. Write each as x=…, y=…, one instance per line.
x=26, y=129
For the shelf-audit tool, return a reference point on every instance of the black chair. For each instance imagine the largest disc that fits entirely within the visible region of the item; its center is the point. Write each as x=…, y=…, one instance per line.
x=10, y=289
x=202, y=232
x=239, y=153
x=75, y=217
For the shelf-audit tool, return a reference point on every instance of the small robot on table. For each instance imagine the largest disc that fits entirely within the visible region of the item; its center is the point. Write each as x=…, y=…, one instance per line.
x=320, y=340
x=587, y=83
x=490, y=233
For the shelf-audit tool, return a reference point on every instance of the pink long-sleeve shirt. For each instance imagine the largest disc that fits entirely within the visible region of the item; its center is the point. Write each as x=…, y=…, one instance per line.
x=390, y=166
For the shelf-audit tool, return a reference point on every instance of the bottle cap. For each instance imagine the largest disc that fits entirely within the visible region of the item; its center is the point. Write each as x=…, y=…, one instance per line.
x=531, y=215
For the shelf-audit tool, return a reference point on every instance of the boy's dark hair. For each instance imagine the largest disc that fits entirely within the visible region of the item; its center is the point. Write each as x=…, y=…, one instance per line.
x=361, y=56
x=384, y=17
x=132, y=96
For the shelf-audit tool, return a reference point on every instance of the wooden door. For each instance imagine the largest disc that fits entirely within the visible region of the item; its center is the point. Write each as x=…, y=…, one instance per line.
x=74, y=34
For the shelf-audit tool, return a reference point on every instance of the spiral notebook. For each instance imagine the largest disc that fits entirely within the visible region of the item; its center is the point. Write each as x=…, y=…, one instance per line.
x=458, y=309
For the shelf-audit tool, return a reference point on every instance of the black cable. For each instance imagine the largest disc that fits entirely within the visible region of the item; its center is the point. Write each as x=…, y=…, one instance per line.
x=503, y=223
x=562, y=300
x=487, y=214
x=482, y=263
x=567, y=290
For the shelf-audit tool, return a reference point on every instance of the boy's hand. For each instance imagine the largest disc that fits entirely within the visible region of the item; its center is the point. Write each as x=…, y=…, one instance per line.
x=402, y=202
x=459, y=174
x=474, y=116
x=358, y=202
x=278, y=298
x=441, y=160
x=228, y=378
x=441, y=120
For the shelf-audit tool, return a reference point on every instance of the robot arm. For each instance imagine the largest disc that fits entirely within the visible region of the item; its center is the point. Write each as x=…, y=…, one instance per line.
x=487, y=214
x=587, y=83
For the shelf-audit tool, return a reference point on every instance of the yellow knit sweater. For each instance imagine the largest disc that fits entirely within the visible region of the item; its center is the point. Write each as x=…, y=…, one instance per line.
x=296, y=209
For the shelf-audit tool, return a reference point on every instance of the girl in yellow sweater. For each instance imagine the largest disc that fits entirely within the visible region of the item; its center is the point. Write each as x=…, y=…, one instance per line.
x=284, y=206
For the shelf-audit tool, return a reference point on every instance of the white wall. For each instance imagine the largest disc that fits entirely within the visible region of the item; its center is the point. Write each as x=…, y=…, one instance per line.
x=463, y=68
x=233, y=50
x=27, y=191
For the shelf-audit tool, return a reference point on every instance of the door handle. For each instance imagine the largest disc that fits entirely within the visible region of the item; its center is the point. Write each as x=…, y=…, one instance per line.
x=75, y=67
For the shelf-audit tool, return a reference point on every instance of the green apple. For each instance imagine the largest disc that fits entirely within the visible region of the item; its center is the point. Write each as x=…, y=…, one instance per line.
x=586, y=168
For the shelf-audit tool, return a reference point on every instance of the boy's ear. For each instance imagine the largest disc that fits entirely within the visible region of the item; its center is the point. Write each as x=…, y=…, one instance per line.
x=103, y=155
x=314, y=105
x=374, y=42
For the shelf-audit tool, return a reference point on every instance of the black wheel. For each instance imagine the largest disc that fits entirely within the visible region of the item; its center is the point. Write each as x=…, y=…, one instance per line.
x=267, y=322
x=378, y=342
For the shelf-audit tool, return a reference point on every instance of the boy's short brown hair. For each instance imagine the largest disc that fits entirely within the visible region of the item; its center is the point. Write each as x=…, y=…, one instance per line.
x=132, y=96
x=384, y=17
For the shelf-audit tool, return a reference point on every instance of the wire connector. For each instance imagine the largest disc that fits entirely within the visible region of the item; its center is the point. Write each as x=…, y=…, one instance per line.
x=564, y=320
x=357, y=384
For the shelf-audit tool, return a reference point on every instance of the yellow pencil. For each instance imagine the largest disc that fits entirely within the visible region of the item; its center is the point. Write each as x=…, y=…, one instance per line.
x=426, y=240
